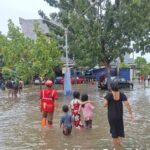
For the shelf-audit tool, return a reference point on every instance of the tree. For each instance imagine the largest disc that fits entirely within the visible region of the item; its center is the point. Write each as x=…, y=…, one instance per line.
x=145, y=70
x=23, y=57
x=142, y=65
x=123, y=65
x=46, y=55
x=3, y=45
x=140, y=61
x=106, y=31
x=17, y=54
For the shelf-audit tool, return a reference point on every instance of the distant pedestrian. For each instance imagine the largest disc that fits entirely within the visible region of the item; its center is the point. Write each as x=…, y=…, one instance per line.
x=9, y=86
x=87, y=110
x=15, y=89
x=148, y=78
x=20, y=86
x=2, y=84
x=114, y=102
x=142, y=79
x=139, y=78
x=48, y=98
x=66, y=121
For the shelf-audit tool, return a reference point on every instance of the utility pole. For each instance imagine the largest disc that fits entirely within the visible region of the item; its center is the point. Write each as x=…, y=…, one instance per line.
x=67, y=79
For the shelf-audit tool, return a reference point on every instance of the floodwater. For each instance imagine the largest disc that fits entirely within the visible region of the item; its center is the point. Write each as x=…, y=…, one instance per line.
x=20, y=123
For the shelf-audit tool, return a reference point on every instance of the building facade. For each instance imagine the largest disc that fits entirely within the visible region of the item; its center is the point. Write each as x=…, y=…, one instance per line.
x=27, y=26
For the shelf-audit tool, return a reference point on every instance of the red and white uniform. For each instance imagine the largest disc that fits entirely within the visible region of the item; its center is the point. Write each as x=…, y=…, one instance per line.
x=75, y=106
x=48, y=96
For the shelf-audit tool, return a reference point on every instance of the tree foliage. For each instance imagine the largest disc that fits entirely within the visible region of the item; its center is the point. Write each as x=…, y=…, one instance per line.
x=106, y=30
x=123, y=65
x=103, y=32
x=139, y=61
x=142, y=65
x=23, y=57
x=46, y=55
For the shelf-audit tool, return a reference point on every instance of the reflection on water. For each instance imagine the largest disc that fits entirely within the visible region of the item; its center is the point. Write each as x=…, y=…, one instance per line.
x=20, y=123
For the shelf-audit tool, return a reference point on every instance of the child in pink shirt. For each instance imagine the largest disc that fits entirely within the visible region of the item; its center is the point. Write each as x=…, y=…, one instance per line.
x=87, y=110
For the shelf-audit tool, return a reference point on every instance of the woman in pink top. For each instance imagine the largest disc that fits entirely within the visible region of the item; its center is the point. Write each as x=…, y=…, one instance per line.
x=87, y=110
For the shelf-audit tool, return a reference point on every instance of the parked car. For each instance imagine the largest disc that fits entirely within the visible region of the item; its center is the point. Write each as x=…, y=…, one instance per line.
x=78, y=80
x=75, y=80
x=37, y=81
x=122, y=82
x=89, y=76
x=58, y=80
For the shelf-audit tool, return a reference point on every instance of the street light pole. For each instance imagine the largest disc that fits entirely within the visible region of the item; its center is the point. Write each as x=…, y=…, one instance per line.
x=67, y=79
x=66, y=45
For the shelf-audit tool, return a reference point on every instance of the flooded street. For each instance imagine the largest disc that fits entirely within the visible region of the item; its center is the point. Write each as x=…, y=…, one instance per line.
x=20, y=123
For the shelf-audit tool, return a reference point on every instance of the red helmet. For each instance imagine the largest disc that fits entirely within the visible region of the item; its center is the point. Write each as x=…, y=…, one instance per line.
x=49, y=83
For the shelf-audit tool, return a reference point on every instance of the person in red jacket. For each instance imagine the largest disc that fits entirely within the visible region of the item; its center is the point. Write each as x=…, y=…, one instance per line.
x=48, y=98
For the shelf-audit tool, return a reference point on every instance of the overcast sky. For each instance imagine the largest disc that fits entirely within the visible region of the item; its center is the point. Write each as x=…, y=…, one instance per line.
x=13, y=9
x=27, y=9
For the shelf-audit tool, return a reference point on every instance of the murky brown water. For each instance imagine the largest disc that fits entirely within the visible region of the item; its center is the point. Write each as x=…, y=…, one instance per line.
x=20, y=123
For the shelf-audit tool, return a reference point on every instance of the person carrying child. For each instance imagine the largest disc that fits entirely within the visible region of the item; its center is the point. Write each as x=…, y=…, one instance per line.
x=75, y=106
x=87, y=110
x=66, y=120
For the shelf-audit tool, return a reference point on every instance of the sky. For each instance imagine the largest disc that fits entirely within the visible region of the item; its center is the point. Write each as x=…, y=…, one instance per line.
x=27, y=9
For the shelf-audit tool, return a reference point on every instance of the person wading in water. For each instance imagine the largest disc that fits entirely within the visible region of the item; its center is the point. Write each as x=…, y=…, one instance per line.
x=114, y=101
x=48, y=98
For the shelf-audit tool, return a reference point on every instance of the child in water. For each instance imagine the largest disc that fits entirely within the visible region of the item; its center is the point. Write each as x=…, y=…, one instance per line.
x=75, y=106
x=87, y=110
x=66, y=121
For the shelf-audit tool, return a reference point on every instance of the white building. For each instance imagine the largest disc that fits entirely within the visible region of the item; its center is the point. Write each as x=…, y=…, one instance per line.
x=27, y=26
